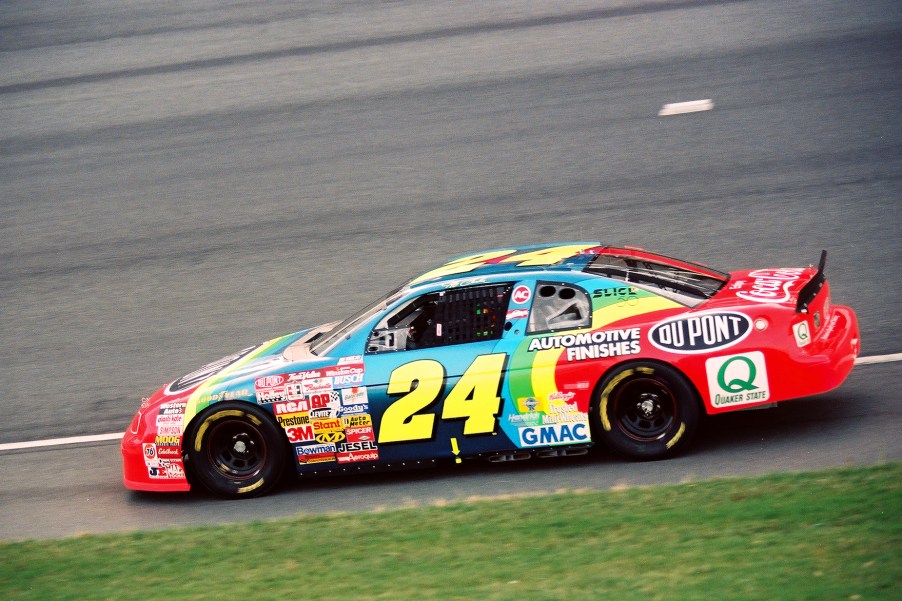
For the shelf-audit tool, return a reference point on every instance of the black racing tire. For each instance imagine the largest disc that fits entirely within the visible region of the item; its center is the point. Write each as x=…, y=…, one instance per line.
x=236, y=450
x=645, y=411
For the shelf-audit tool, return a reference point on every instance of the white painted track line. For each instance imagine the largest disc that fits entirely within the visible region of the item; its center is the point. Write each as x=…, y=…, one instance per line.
x=681, y=108
x=879, y=359
x=12, y=446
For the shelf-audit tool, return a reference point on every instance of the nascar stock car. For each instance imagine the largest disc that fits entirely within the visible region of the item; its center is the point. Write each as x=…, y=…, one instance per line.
x=535, y=351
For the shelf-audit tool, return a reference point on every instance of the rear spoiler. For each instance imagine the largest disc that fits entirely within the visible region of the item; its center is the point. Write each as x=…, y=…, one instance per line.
x=809, y=291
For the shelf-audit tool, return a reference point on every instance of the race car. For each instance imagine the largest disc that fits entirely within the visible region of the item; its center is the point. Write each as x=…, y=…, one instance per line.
x=506, y=354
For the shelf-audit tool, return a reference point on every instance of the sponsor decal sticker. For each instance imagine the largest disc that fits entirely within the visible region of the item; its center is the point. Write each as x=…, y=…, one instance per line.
x=354, y=396
x=737, y=379
x=802, y=333
x=591, y=345
x=318, y=453
x=701, y=333
x=356, y=456
x=301, y=406
x=517, y=314
x=521, y=295
x=350, y=447
x=360, y=434
x=566, y=433
x=288, y=420
x=770, y=285
x=354, y=421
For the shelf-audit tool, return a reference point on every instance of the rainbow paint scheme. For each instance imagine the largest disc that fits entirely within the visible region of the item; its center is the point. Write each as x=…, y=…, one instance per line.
x=505, y=354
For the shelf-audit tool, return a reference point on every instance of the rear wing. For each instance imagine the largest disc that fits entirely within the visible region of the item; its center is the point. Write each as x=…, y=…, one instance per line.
x=809, y=291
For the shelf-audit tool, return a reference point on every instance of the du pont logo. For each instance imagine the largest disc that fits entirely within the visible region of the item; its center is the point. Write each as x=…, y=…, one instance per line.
x=737, y=379
x=701, y=333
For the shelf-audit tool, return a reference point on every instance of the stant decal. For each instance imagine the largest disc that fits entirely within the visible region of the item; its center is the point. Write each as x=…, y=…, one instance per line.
x=701, y=333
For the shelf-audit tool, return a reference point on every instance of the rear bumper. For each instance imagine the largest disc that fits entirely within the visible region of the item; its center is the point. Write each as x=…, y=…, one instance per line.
x=830, y=358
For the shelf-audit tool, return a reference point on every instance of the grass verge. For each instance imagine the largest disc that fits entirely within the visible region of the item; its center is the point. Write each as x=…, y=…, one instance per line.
x=824, y=535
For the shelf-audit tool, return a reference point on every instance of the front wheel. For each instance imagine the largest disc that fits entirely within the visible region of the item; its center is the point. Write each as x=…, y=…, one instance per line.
x=236, y=450
x=645, y=411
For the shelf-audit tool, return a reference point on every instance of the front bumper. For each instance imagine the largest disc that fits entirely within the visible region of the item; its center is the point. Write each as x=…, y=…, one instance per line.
x=147, y=465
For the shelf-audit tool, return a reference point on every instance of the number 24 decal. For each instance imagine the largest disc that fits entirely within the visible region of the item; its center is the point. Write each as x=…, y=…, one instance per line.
x=475, y=398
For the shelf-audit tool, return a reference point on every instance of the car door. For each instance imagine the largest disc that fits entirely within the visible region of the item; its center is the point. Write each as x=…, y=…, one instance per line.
x=435, y=374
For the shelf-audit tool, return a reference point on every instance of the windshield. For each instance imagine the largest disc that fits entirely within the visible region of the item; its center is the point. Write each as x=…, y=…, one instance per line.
x=325, y=343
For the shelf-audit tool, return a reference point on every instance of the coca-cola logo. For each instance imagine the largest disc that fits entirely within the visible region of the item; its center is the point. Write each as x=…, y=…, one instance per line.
x=770, y=285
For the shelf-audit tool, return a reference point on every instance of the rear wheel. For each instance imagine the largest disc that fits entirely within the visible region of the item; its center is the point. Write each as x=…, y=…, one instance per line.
x=236, y=450
x=646, y=411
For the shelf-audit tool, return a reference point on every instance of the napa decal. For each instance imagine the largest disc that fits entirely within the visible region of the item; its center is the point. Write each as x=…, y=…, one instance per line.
x=737, y=379
x=701, y=333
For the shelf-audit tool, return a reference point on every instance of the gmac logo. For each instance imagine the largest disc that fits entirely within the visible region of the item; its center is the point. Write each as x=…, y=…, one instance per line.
x=701, y=332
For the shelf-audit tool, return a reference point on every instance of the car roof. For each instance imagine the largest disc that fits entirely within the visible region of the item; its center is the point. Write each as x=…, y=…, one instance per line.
x=560, y=257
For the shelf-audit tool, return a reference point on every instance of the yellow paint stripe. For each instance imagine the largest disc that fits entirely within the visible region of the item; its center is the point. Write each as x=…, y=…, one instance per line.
x=612, y=313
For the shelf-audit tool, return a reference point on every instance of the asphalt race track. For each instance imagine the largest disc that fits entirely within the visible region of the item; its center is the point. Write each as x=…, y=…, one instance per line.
x=179, y=181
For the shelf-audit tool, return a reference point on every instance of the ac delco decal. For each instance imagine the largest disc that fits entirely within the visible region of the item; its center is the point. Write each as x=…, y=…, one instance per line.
x=701, y=333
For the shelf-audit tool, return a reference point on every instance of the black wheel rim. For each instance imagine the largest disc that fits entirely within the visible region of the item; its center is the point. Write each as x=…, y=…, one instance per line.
x=645, y=409
x=237, y=449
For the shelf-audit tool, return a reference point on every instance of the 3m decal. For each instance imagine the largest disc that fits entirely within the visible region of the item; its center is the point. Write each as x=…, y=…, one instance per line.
x=475, y=399
x=737, y=379
x=300, y=433
x=701, y=333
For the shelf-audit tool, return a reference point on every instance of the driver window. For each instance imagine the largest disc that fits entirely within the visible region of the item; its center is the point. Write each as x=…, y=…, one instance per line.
x=443, y=318
x=559, y=307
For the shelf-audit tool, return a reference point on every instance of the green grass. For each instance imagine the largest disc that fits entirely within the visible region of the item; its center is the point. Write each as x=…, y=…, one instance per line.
x=826, y=535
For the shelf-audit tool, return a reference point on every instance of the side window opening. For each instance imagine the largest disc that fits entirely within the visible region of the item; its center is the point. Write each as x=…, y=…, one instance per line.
x=559, y=307
x=443, y=318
